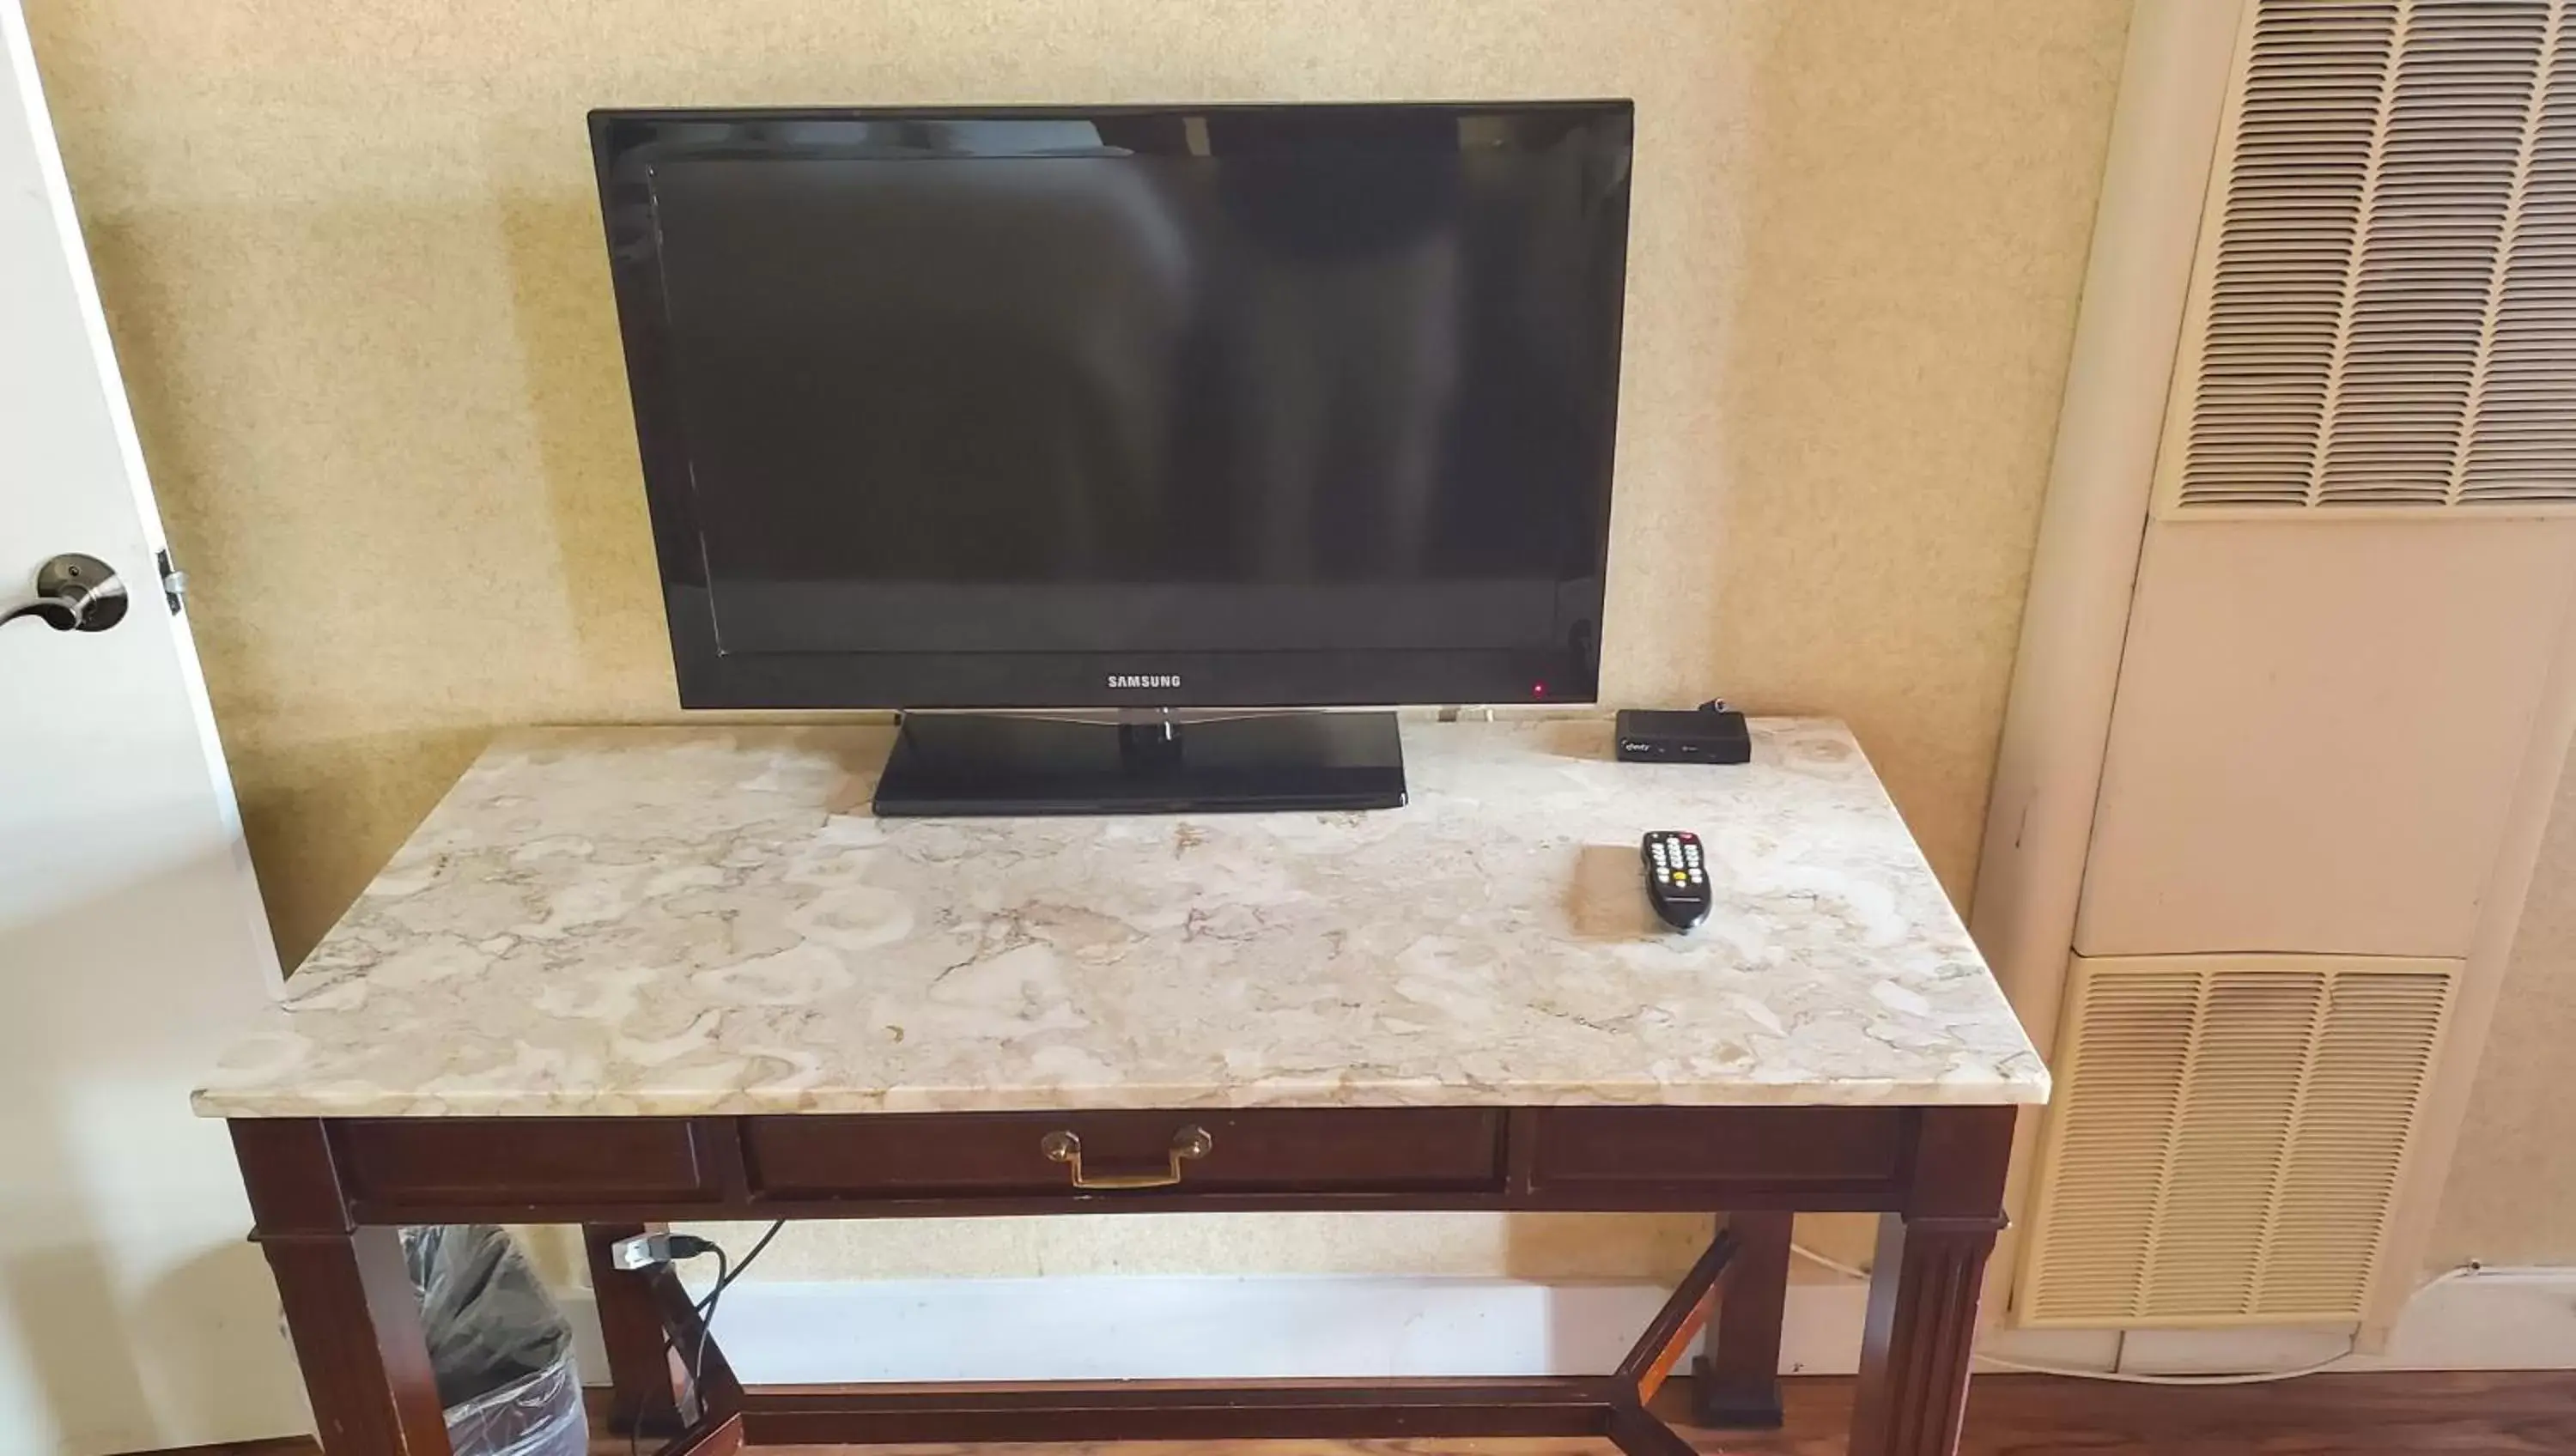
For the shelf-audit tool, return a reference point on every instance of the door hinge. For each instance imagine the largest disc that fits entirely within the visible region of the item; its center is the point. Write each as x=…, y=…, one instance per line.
x=174, y=582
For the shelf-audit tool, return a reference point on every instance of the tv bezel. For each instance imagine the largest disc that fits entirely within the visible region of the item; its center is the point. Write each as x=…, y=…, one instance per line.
x=709, y=677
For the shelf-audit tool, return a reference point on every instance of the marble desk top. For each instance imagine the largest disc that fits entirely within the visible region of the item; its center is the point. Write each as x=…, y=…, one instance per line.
x=708, y=920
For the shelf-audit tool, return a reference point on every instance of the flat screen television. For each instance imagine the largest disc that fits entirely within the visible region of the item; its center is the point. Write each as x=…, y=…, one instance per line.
x=1122, y=411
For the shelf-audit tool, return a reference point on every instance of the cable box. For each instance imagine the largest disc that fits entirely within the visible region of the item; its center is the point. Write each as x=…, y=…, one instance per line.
x=1703, y=735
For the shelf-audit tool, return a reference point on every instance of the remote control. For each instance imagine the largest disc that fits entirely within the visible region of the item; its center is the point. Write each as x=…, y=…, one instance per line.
x=1676, y=881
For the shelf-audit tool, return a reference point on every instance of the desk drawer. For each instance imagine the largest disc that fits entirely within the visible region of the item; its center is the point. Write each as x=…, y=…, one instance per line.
x=455, y=1162
x=1606, y=1150
x=1023, y=1155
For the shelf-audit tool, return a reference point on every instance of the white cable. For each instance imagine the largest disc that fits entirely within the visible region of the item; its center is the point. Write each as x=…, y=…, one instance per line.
x=2123, y=1377
x=1835, y=1265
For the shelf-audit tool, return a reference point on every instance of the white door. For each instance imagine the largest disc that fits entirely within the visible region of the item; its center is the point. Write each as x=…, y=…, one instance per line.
x=132, y=1313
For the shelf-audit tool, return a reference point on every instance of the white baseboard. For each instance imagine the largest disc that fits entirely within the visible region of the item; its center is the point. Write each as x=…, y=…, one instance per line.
x=1109, y=1327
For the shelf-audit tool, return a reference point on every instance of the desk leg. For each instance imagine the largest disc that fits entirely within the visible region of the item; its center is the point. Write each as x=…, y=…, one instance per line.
x=356, y=1325
x=1736, y=1385
x=1925, y=1285
x=630, y=1324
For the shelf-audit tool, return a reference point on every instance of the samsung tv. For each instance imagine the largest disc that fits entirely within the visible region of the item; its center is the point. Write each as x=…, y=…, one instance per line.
x=1145, y=422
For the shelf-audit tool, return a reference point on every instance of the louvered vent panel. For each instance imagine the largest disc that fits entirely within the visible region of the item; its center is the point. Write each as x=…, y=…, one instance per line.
x=2228, y=1137
x=2387, y=312
x=2521, y=450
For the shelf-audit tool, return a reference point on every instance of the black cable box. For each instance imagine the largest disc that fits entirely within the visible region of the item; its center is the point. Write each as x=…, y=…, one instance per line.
x=1703, y=735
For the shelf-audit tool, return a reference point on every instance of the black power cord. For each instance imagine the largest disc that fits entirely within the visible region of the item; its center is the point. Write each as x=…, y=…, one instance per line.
x=706, y=1306
x=698, y=1357
x=726, y=1274
x=675, y=1247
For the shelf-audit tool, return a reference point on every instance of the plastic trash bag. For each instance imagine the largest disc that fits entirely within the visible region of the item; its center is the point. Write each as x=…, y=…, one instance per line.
x=500, y=1348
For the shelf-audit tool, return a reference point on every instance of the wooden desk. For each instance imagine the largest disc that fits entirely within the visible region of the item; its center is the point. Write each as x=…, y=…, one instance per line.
x=627, y=976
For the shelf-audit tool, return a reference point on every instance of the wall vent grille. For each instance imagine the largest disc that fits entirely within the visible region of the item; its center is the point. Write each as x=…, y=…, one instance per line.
x=2385, y=307
x=2229, y=1137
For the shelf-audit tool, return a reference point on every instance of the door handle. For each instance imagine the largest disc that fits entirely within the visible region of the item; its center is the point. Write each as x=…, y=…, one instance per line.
x=74, y=593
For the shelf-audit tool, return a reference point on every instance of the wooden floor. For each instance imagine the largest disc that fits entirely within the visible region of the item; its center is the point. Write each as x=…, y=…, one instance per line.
x=2009, y=1415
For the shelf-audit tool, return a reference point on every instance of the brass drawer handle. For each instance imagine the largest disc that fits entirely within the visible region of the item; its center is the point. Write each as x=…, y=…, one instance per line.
x=1063, y=1147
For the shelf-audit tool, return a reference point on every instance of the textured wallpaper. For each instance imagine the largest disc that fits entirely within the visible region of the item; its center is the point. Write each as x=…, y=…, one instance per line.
x=2511, y=1198
x=351, y=259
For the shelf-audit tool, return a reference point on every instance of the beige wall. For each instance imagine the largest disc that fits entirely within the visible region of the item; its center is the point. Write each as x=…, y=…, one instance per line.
x=350, y=253
x=2511, y=1198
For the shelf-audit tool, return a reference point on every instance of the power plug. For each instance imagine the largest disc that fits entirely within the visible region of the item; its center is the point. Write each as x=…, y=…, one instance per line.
x=646, y=1250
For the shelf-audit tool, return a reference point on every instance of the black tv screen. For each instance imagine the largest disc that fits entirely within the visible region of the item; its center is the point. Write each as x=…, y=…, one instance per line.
x=1203, y=406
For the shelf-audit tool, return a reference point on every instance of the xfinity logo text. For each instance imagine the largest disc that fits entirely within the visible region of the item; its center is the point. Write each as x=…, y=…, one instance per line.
x=1144, y=679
